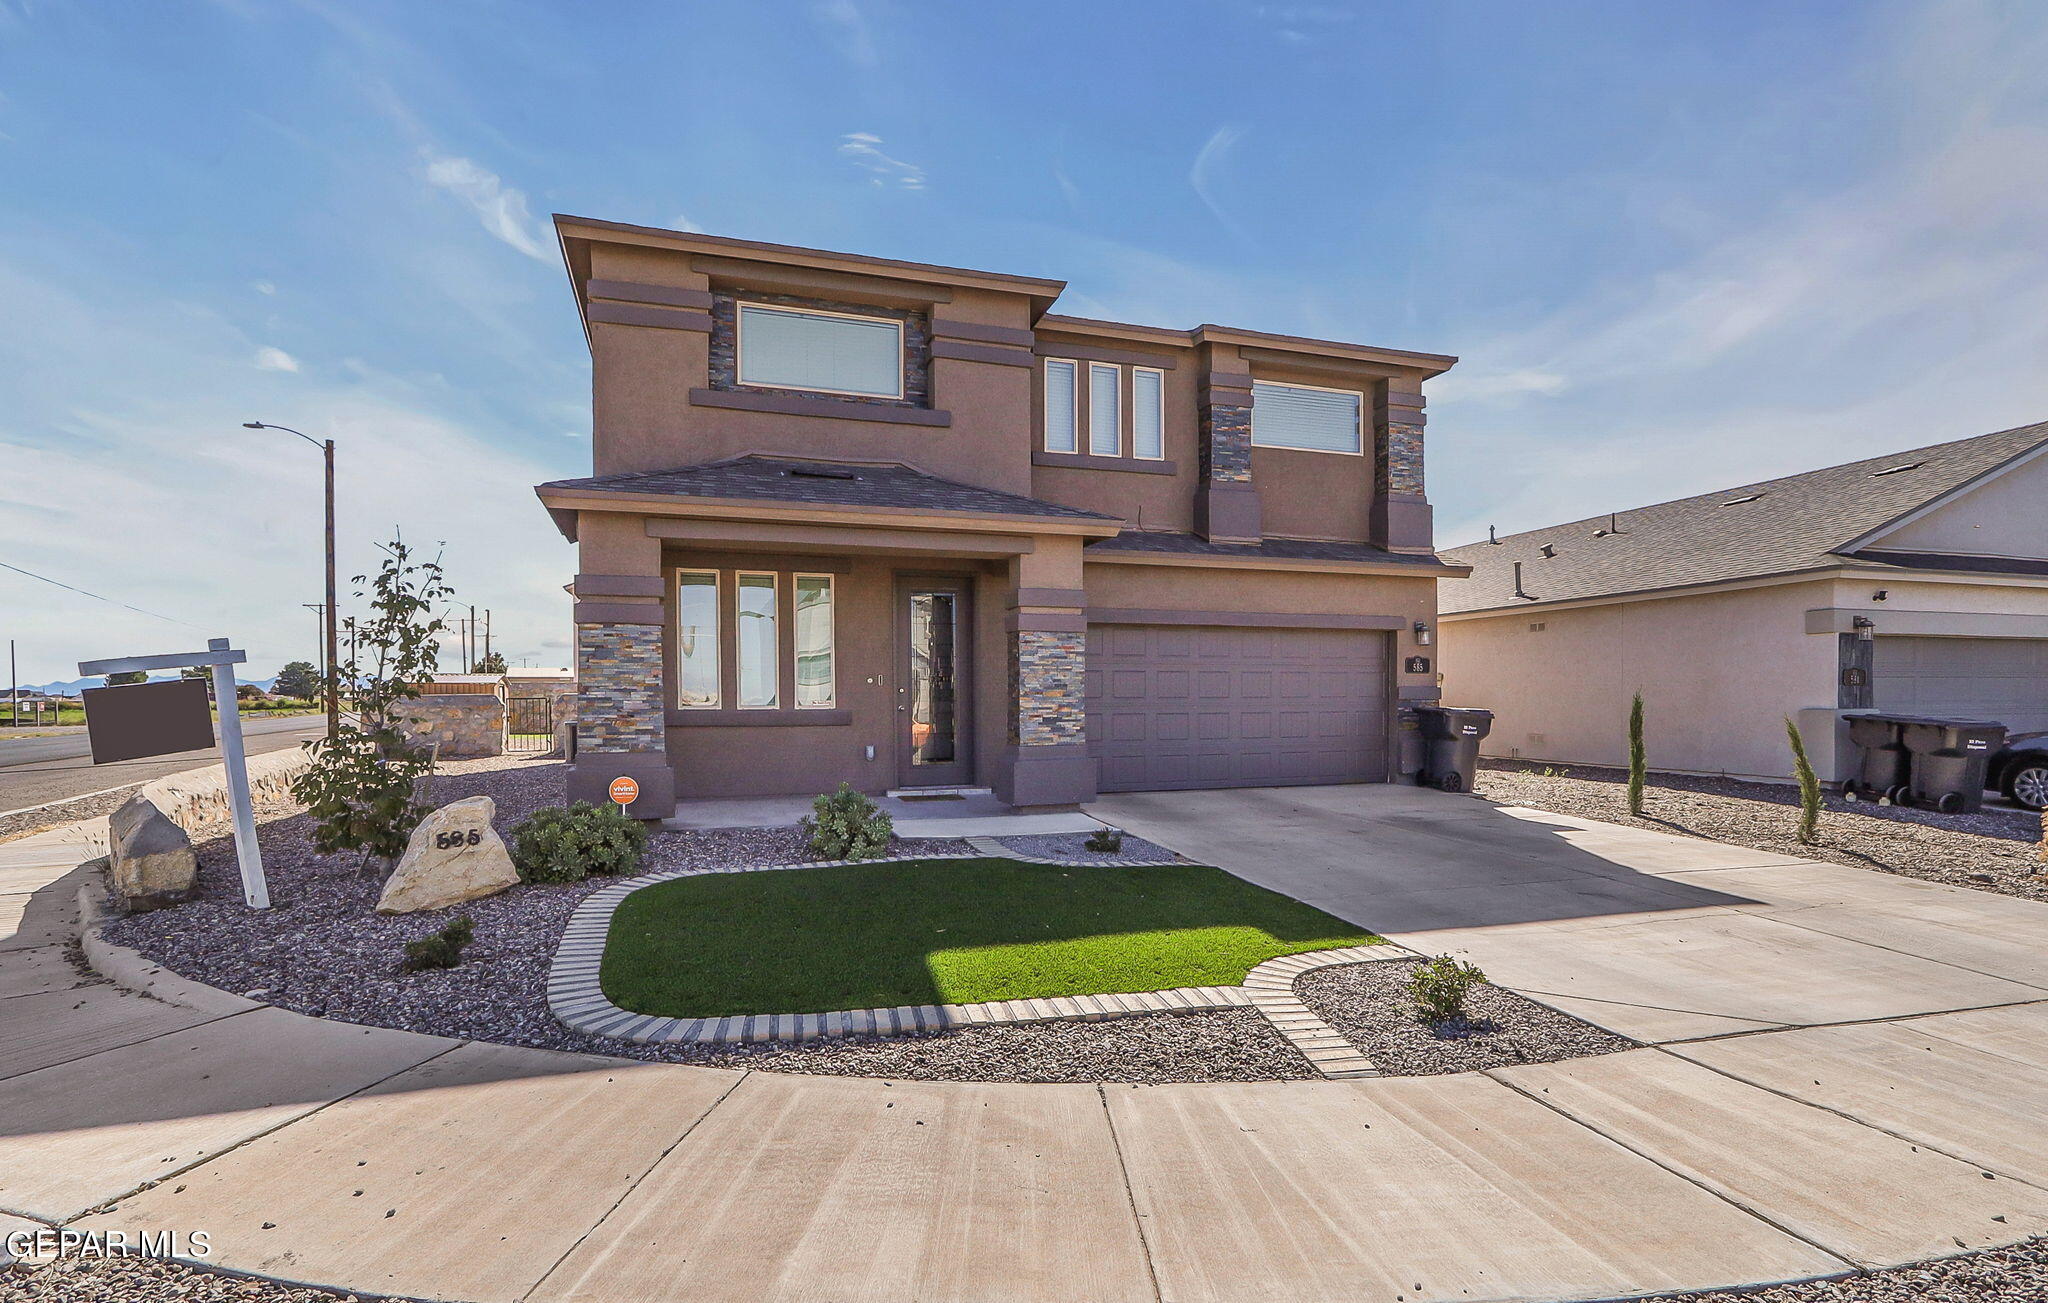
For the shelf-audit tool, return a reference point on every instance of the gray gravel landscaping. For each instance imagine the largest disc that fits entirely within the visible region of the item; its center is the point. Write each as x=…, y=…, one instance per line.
x=1073, y=846
x=1370, y=1006
x=2015, y=1275
x=149, y=1280
x=323, y=950
x=1993, y=850
x=27, y=823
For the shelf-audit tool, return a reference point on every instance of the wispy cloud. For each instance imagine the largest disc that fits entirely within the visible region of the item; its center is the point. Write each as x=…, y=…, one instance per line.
x=847, y=28
x=864, y=150
x=1206, y=169
x=501, y=208
x=681, y=222
x=263, y=287
x=275, y=359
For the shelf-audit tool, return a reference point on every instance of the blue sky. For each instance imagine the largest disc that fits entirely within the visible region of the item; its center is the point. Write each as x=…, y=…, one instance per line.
x=1677, y=246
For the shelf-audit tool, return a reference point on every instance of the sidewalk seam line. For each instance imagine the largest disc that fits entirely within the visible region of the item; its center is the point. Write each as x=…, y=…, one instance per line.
x=1123, y=1168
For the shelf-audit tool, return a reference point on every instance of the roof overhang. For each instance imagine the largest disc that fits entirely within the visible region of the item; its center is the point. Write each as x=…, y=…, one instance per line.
x=1211, y=561
x=565, y=504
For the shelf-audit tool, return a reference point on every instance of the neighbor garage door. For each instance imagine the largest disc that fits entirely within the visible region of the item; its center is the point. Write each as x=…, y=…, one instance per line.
x=2003, y=679
x=1174, y=706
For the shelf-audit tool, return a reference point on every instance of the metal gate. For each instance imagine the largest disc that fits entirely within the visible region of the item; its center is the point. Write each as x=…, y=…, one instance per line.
x=529, y=724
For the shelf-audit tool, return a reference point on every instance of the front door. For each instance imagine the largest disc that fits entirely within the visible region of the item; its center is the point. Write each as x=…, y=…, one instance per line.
x=932, y=697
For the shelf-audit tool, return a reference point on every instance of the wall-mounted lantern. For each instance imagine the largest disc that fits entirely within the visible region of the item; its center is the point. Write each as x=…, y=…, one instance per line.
x=1423, y=637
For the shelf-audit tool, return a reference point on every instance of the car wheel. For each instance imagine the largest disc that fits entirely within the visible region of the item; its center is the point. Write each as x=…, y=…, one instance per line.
x=2028, y=784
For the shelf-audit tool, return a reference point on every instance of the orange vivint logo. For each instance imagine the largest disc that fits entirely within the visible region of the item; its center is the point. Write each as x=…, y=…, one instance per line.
x=624, y=791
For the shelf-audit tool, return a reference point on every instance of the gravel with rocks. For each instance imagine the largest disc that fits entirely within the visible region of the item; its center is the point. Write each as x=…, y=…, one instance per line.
x=27, y=823
x=323, y=950
x=148, y=1280
x=1992, y=850
x=2015, y=1275
x=1073, y=848
x=1370, y=1006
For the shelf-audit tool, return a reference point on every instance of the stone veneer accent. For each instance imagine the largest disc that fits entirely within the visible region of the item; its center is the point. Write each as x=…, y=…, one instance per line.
x=1400, y=459
x=917, y=347
x=1226, y=444
x=1048, y=685
x=619, y=706
x=461, y=725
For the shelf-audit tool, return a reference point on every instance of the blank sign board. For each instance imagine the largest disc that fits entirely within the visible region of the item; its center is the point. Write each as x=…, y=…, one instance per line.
x=147, y=719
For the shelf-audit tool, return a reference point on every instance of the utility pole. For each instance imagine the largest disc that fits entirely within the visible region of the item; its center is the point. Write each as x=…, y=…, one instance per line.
x=469, y=649
x=487, y=633
x=326, y=448
x=13, y=689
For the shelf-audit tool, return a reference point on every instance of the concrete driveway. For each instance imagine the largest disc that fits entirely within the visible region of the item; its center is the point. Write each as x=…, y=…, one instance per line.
x=1657, y=937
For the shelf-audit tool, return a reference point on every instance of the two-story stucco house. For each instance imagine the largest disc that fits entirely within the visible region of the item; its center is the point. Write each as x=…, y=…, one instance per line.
x=902, y=525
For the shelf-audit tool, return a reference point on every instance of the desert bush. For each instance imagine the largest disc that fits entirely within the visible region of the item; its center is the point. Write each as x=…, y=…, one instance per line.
x=1439, y=987
x=566, y=844
x=441, y=950
x=1809, y=786
x=845, y=825
x=1107, y=840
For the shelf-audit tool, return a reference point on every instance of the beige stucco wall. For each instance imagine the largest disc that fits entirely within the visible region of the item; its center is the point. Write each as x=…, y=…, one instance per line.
x=1718, y=673
x=2003, y=517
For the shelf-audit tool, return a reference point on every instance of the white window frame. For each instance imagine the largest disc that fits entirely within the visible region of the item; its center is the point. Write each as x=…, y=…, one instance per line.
x=717, y=642
x=739, y=348
x=1137, y=371
x=1073, y=403
x=739, y=641
x=796, y=580
x=1358, y=434
x=1118, y=372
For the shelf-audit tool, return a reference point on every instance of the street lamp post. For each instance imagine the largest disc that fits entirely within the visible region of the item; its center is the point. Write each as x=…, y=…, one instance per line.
x=333, y=685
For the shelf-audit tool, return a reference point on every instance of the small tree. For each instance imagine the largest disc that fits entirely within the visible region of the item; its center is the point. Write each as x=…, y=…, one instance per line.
x=1638, y=757
x=363, y=787
x=127, y=676
x=204, y=673
x=298, y=679
x=491, y=664
x=1809, y=786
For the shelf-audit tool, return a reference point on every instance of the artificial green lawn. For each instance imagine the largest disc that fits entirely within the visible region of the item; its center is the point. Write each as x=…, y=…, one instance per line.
x=944, y=932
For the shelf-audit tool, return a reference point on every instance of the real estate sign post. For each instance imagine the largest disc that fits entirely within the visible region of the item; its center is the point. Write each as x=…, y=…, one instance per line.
x=155, y=719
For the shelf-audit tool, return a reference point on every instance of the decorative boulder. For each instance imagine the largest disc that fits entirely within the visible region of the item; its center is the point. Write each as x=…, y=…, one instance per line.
x=151, y=860
x=454, y=855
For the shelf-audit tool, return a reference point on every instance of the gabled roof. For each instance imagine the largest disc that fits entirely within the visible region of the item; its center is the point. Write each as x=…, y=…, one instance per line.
x=839, y=486
x=1784, y=526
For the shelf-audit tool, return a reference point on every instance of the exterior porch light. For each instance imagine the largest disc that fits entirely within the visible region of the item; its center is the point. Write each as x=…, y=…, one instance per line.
x=1865, y=627
x=1423, y=637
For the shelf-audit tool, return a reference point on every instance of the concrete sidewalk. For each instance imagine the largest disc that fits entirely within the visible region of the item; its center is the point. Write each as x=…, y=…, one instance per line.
x=385, y=1161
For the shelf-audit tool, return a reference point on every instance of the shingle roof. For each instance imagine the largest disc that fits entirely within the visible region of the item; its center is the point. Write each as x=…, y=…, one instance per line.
x=1286, y=549
x=827, y=484
x=1776, y=527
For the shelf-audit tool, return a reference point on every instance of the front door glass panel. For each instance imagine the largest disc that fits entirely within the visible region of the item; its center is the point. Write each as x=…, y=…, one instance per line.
x=934, y=634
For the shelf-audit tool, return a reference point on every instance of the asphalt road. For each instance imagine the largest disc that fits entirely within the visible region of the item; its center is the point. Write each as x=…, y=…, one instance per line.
x=36, y=770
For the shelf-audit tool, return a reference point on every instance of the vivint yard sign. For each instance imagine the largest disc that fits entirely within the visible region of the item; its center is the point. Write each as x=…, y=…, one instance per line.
x=135, y=720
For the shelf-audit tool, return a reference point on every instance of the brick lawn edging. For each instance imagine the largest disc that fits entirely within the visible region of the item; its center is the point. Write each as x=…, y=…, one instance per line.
x=577, y=1000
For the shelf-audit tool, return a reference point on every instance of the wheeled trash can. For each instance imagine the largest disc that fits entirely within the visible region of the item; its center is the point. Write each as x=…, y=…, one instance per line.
x=1450, y=744
x=1950, y=757
x=1881, y=757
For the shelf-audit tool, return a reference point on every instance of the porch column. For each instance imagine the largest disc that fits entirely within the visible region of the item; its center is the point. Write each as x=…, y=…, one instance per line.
x=1047, y=761
x=621, y=700
x=1226, y=501
x=1401, y=516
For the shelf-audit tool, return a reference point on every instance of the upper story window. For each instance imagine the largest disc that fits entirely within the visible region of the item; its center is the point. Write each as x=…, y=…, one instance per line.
x=1308, y=418
x=823, y=352
x=1105, y=410
x=1148, y=413
x=1062, y=406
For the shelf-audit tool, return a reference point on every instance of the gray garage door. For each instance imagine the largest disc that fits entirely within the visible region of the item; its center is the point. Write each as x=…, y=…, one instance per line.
x=1175, y=706
x=2005, y=679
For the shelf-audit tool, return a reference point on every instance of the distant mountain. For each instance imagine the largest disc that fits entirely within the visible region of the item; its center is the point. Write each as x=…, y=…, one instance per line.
x=70, y=687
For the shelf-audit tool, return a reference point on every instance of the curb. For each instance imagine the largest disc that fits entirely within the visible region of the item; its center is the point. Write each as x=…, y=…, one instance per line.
x=577, y=1000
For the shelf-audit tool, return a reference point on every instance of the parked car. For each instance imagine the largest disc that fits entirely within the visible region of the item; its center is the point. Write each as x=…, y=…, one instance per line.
x=2020, y=769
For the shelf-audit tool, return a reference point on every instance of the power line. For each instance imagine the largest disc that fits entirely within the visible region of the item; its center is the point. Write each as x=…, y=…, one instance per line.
x=97, y=598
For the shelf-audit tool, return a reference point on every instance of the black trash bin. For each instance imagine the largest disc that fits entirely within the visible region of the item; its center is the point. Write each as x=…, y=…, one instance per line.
x=1950, y=757
x=1450, y=744
x=1881, y=760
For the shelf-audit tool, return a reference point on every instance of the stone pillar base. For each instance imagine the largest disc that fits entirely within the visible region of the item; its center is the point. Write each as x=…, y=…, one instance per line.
x=1227, y=513
x=1402, y=523
x=590, y=779
x=1059, y=774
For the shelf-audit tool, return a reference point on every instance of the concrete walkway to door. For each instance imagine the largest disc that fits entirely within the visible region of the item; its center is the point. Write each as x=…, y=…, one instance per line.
x=1851, y=1072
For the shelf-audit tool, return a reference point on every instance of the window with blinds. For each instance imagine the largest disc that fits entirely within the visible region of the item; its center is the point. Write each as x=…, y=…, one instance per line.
x=1148, y=413
x=1300, y=416
x=1105, y=410
x=825, y=352
x=1061, y=404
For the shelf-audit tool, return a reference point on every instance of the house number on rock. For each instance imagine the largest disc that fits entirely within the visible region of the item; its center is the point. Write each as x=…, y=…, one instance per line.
x=445, y=840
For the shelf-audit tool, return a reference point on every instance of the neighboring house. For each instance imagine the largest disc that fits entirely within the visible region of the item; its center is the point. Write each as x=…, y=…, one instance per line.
x=900, y=525
x=1913, y=582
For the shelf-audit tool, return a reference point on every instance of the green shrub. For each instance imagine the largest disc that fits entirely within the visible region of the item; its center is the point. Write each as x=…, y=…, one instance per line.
x=1107, y=840
x=1809, y=786
x=1440, y=986
x=560, y=844
x=845, y=825
x=441, y=950
x=1638, y=756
